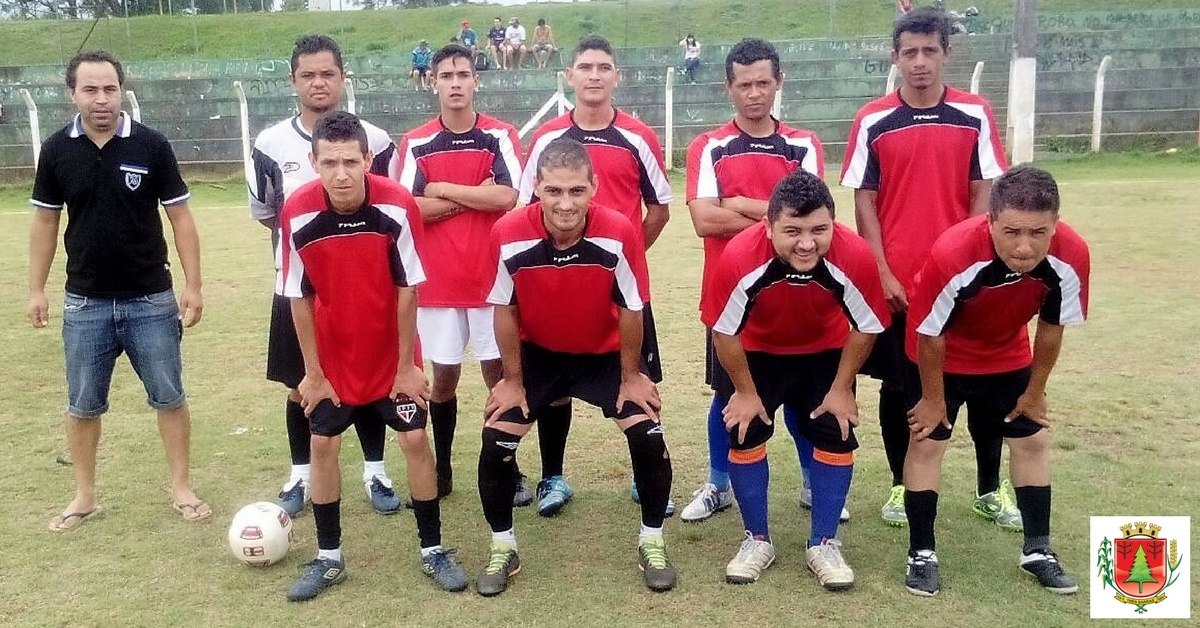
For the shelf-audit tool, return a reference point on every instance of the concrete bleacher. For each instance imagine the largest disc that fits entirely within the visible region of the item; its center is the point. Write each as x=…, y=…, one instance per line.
x=1151, y=98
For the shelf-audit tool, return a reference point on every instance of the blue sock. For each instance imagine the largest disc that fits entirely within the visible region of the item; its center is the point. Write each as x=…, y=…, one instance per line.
x=830, y=483
x=804, y=447
x=750, y=488
x=718, y=445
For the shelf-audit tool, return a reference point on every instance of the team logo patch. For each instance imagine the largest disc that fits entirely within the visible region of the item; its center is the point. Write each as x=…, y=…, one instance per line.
x=1138, y=564
x=406, y=409
x=133, y=175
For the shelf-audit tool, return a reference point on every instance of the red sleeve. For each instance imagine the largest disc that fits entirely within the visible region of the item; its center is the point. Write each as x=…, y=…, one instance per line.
x=695, y=155
x=724, y=281
x=289, y=279
x=864, y=274
x=820, y=150
x=635, y=254
x=929, y=284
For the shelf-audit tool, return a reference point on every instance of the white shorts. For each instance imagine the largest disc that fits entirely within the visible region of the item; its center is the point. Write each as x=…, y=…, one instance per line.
x=446, y=331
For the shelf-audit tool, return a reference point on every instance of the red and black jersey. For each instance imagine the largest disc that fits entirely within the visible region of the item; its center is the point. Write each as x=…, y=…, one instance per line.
x=921, y=162
x=352, y=264
x=726, y=162
x=627, y=160
x=454, y=249
x=968, y=295
x=567, y=299
x=777, y=309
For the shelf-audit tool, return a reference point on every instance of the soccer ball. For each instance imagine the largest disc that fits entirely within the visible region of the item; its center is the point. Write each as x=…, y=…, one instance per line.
x=261, y=534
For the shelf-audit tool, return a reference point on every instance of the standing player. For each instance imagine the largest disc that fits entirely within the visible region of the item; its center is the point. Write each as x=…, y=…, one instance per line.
x=968, y=334
x=731, y=172
x=350, y=268
x=568, y=310
x=280, y=166
x=629, y=171
x=921, y=159
x=112, y=174
x=794, y=309
x=460, y=167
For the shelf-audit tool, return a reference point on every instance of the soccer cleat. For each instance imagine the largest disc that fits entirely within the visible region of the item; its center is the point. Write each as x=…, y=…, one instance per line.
x=553, y=493
x=921, y=577
x=503, y=563
x=806, y=503
x=523, y=497
x=893, y=509
x=637, y=499
x=383, y=499
x=321, y=574
x=826, y=561
x=706, y=502
x=1043, y=564
x=445, y=571
x=752, y=558
x=1000, y=507
x=293, y=497
x=656, y=568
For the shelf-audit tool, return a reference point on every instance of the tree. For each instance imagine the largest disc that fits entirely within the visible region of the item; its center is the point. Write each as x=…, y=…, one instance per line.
x=1140, y=571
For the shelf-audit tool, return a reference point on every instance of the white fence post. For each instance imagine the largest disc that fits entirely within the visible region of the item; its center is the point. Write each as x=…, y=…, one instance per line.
x=669, y=118
x=1022, y=88
x=35, y=127
x=975, y=76
x=351, y=103
x=244, y=120
x=1098, y=103
x=777, y=106
x=135, y=109
x=891, y=82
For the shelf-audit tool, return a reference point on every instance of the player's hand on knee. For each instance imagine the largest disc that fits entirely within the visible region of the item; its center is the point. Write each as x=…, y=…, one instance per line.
x=841, y=403
x=313, y=390
x=38, y=310
x=640, y=390
x=412, y=383
x=741, y=411
x=504, y=396
x=1031, y=406
x=925, y=417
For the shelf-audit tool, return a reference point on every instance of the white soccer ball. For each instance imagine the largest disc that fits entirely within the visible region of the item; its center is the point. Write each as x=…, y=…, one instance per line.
x=261, y=534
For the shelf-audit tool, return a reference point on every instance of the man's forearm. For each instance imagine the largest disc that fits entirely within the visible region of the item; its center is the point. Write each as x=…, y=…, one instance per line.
x=732, y=355
x=654, y=222
x=507, y=322
x=485, y=198
x=866, y=218
x=187, y=242
x=931, y=361
x=406, y=318
x=981, y=193
x=306, y=334
x=630, y=328
x=1046, y=346
x=711, y=219
x=437, y=209
x=854, y=354
x=43, y=241
x=751, y=208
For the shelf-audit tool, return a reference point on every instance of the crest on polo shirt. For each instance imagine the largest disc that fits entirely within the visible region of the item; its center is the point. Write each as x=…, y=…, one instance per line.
x=133, y=175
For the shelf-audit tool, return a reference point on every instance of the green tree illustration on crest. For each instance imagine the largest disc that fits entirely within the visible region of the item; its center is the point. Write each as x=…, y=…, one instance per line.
x=1140, y=571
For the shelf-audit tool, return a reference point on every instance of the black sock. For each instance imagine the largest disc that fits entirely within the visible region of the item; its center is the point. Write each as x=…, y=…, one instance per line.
x=554, y=425
x=893, y=423
x=444, y=417
x=429, y=522
x=371, y=435
x=651, y=470
x=328, y=518
x=497, y=477
x=299, y=438
x=1034, y=502
x=921, y=508
x=988, y=451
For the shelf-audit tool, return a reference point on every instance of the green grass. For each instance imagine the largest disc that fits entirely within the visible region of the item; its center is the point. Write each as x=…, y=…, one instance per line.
x=634, y=23
x=1123, y=399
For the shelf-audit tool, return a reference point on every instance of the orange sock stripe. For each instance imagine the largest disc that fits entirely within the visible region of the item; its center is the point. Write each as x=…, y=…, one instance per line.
x=748, y=456
x=830, y=458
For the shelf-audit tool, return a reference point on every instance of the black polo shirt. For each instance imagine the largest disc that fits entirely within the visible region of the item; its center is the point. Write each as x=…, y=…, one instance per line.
x=114, y=236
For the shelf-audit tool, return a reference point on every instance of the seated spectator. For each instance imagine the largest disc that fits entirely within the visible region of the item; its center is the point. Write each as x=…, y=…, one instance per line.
x=543, y=43
x=691, y=57
x=514, y=43
x=421, y=76
x=496, y=38
x=468, y=38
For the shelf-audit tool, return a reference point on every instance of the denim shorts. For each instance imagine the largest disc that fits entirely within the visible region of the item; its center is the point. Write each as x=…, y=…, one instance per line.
x=97, y=330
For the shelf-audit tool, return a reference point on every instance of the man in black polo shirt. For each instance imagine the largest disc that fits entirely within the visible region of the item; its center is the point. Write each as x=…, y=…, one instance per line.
x=111, y=173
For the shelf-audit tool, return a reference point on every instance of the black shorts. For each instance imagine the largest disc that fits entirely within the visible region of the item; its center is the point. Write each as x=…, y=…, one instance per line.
x=714, y=372
x=800, y=382
x=887, y=361
x=989, y=398
x=594, y=378
x=421, y=71
x=651, y=360
x=402, y=416
x=285, y=361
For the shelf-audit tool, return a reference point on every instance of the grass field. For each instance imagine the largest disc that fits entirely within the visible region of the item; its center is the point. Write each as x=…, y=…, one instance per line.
x=1124, y=402
x=632, y=23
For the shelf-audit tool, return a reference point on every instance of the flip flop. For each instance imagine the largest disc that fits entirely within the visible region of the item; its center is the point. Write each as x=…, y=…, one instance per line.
x=70, y=521
x=194, y=512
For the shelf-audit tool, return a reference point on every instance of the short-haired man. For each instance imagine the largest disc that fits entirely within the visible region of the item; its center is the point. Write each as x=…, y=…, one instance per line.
x=111, y=174
x=422, y=57
x=731, y=172
x=280, y=165
x=794, y=307
x=543, y=43
x=496, y=37
x=514, y=44
x=920, y=160
x=461, y=167
x=628, y=163
x=985, y=278
x=568, y=310
x=350, y=268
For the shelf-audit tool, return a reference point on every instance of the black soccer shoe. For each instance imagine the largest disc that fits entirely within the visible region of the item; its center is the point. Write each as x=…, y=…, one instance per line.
x=1043, y=564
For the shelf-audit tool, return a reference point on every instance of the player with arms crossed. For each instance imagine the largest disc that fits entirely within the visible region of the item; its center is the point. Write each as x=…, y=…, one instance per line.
x=568, y=322
x=968, y=335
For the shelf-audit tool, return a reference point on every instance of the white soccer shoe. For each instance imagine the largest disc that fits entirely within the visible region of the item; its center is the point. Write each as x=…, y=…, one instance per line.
x=752, y=558
x=826, y=561
x=706, y=502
